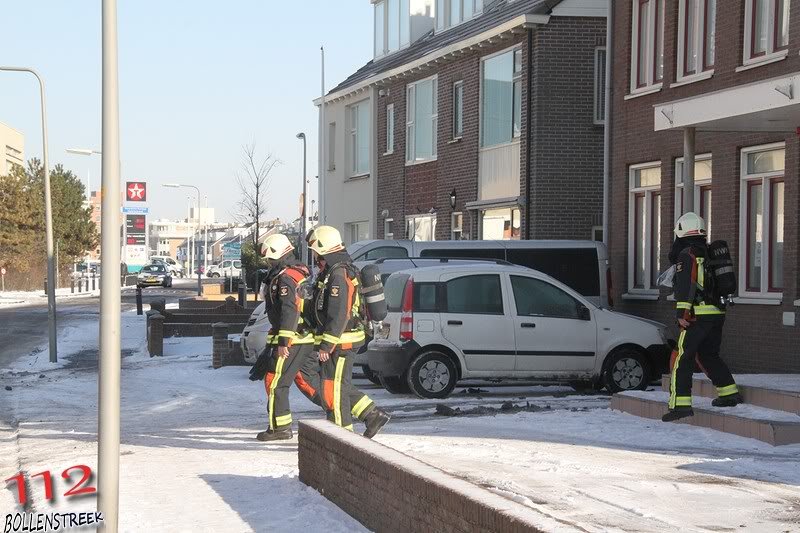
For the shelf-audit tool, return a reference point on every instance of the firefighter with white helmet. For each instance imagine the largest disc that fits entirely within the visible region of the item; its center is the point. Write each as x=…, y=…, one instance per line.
x=338, y=317
x=700, y=318
x=290, y=341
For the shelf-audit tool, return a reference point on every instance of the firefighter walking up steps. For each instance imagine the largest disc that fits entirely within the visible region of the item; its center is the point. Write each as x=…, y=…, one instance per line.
x=701, y=316
x=290, y=341
x=340, y=330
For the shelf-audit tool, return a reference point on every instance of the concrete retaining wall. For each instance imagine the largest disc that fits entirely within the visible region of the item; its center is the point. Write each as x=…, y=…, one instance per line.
x=389, y=491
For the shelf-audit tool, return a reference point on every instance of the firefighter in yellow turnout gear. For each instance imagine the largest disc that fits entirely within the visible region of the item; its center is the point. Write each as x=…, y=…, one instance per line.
x=290, y=341
x=340, y=332
x=701, y=320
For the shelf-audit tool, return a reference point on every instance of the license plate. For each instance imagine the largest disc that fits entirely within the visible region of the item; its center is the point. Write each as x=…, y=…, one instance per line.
x=152, y=279
x=384, y=332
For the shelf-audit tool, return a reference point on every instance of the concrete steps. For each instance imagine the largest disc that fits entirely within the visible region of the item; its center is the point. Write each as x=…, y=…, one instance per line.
x=780, y=392
x=757, y=420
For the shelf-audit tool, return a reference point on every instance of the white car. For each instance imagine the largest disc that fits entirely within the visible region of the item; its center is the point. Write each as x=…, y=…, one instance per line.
x=490, y=321
x=254, y=337
x=228, y=268
x=175, y=269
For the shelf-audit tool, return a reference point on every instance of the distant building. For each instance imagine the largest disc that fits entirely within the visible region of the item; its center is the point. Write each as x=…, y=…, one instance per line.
x=12, y=144
x=96, y=206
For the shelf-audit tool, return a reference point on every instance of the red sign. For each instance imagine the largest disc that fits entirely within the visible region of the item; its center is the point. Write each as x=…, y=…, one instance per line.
x=136, y=191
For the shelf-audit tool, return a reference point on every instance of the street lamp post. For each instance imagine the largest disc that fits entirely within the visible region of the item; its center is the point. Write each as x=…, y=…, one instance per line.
x=303, y=245
x=190, y=263
x=48, y=218
x=86, y=152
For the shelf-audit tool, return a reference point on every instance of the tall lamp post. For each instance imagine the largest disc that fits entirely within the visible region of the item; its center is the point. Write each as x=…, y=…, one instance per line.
x=48, y=219
x=303, y=245
x=86, y=152
x=205, y=252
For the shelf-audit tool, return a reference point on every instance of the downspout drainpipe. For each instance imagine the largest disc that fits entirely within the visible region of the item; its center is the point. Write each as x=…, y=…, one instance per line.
x=529, y=139
x=607, y=117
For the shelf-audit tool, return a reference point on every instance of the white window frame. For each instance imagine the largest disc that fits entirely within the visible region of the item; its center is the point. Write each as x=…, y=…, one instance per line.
x=633, y=192
x=516, y=80
x=453, y=230
x=651, y=84
x=388, y=230
x=443, y=13
x=404, y=40
x=389, y=129
x=600, y=85
x=701, y=42
x=413, y=218
x=766, y=179
x=458, y=111
x=411, y=125
x=512, y=210
x=699, y=184
x=331, y=146
x=772, y=52
x=354, y=137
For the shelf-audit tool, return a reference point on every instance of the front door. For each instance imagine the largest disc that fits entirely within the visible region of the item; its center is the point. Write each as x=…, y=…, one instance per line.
x=477, y=320
x=552, y=335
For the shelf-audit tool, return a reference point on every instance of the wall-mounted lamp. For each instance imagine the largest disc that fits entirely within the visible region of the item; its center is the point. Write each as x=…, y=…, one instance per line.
x=453, y=199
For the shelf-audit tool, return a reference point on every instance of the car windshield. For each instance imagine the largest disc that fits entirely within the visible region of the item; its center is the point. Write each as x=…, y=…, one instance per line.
x=154, y=269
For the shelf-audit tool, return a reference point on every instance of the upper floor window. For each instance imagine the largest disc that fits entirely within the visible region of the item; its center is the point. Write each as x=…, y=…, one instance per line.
x=389, y=129
x=453, y=12
x=392, y=30
x=766, y=29
x=358, y=117
x=696, y=35
x=501, y=98
x=458, y=109
x=600, y=85
x=647, y=56
x=422, y=120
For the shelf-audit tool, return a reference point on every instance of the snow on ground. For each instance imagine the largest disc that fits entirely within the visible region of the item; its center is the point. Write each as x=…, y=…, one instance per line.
x=608, y=471
x=189, y=460
x=10, y=299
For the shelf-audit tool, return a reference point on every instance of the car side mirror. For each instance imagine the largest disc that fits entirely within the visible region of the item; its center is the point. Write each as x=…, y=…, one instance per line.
x=583, y=312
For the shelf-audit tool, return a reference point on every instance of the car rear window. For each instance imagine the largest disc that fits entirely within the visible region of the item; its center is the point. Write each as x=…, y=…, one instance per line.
x=575, y=267
x=393, y=289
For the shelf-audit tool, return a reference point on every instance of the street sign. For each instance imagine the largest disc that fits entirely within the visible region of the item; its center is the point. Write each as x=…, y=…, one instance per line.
x=136, y=210
x=136, y=191
x=232, y=250
x=136, y=224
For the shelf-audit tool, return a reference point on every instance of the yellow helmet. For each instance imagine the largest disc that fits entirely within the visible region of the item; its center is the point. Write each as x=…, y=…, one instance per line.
x=325, y=240
x=690, y=225
x=276, y=246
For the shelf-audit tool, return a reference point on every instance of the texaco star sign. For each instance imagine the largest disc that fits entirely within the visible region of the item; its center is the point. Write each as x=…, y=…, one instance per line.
x=137, y=191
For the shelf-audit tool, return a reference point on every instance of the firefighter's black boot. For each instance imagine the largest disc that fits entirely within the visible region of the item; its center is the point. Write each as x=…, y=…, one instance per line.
x=732, y=400
x=374, y=421
x=280, y=434
x=676, y=414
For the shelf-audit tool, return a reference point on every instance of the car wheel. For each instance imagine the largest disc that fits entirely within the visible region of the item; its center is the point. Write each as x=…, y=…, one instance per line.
x=215, y=275
x=370, y=375
x=627, y=369
x=432, y=375
x=394, y=384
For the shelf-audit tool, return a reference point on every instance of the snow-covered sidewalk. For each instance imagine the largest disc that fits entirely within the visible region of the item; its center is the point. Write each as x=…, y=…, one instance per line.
x=189, y=460
x=20, y=298
x=608, y=471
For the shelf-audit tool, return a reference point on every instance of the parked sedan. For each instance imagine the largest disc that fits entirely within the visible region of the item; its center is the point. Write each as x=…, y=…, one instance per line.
x=153, y=276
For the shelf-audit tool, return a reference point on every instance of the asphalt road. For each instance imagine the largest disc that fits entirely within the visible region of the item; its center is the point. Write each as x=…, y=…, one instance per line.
x=24, y=329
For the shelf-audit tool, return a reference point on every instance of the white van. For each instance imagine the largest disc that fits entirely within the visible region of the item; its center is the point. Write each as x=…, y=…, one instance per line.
x=581, y=265
x=228, y=268
x=175, y=269
x=495, y=321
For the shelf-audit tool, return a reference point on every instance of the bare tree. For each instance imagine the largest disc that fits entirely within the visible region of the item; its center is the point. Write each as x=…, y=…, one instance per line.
x=254, y=181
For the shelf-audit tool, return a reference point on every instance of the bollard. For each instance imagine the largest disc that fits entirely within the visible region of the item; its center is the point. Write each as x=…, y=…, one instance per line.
x=199, y=283
x=80, y=284
x=72, y=286
x=94, y=286
x=139, y=301
x=256, y=286
x=242, y=293
x=87, y=284
x=45, y=285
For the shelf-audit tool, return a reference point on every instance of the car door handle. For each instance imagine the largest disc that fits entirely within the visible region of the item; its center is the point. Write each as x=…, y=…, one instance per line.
x=455, y=323
x=528, y=325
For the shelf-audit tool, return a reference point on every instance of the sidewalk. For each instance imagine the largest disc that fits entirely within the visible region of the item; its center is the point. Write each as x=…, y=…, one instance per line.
x=189, y=460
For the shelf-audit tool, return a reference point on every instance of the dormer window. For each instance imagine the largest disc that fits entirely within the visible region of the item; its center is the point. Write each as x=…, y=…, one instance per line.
x=451, y=13
x=392, y=30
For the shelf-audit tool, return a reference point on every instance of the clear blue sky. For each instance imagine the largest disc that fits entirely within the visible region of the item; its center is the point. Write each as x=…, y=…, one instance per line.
x=198, y=79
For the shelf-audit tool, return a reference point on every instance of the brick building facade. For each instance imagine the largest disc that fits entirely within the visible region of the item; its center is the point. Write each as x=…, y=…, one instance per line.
x=500, y=188
x=738, y=106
